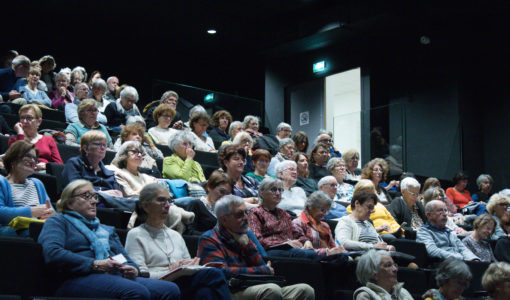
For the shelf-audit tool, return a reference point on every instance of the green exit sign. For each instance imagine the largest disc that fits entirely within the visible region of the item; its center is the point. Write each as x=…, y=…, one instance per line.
x=319, y=66
x=209, y=97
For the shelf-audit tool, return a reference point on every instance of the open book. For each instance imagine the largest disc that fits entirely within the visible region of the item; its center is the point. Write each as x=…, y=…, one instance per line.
x=185, y=270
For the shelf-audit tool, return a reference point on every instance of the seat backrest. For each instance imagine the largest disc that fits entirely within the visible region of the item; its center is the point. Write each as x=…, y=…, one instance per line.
x=413, y=248
x=109, y=156
x=66, y=151
x=4, y=143
x=55, y=115
x=56, y=170
x=50, y=184
x=477, y=268
x=191, y=244
x=165, y=150
x=415, y=280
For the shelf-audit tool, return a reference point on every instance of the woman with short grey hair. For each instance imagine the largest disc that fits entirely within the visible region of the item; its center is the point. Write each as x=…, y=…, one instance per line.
x=293, y=197
x=287, y=148
x=181, y=165
x=98, y=90
x=378, y=273
x=61, y=95
x=338, y=168
x=484, y=183
x=452, y=277
x=251, y=125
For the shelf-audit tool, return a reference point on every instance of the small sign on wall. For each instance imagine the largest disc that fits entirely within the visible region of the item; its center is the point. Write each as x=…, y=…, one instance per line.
x=304, y=118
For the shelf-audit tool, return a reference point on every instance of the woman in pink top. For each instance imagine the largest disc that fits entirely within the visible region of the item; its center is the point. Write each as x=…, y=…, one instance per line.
x=458, y=193
x=30, y=117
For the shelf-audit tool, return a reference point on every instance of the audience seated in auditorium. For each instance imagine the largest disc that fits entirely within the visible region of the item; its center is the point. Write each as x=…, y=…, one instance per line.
x=95, y=75
x=163, y=115
x=79, y=249
x=220, y=123
x=377, y=272
x=310, y=223
x=260, y=160
x=180, y=165
x=169, y=97
x=309, y=185
x=218, y=185
x=377, y=170
x=497, y=207
x=198, y=124
x=458, y=193
x=286, y=152
x=231, y=159
x=81, y=91
x=452, y=277
x=157, y=249
x=89, y=165
x=112, y=83
x=484, y=183
x=329, y=185
x=477, y=241
x=234, y=249
x=11, y=78
x=351, y=158
x=406, y=208
x=118, y=111
x=87, y=121
x=293, y=198
x=30, y=91
x=440, y=241
x=234, y=128
x=326, y=137
x=337, y=167
x=61, y=95
x=434, y=182
x=318, y=158
x=47, y=64
x=496, y=280
x=301, y=141
x=98, y=91
x=251, y=125
x=436, y=193
x=30, y=116
x=136, y=132
x=273, y=226
x=355, y=231
x=19, y=195
x=503, y=244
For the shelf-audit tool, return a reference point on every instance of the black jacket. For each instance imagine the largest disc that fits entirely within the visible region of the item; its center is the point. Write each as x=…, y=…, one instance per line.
x=218, y=136
x=401, y=212
x=268, y=142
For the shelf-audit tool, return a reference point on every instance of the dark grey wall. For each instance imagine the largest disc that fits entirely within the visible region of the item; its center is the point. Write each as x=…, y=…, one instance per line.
x=308, y=96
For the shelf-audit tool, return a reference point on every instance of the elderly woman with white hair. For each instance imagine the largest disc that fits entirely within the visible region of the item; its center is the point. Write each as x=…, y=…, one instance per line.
x=484, y=183
x=273, y=226
x=328, y=185
x=283, y=131
x=310, y=223
x=406, y=209
x=337, y=167
x=452, y=277
x=293, y=197
x=377, y=272
x=234, y=128
x=251, y=125
x=287, y=148
x=181, y=165
x=118, y=111
x=497, y=207
x=496, y=281
x=61, y=95
x=98, y=90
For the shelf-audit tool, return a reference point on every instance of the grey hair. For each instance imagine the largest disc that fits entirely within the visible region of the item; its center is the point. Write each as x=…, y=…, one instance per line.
x=195, y=109
x=99, y=83
x=149, y=192
x=267, y=184
x=133, y=119
x=332, y=162
x=67, y=193
x=129, y=91
x=285, y=141
x=284, y=165
x=409, y=182
x=62, y=74
x=82, y=71
x=321, y=132
x=318, y=199
x=76, y=86
x=429, y=207
x=368, y=265
x=179, y=137
x=429, y=194
x=66, y=70
x=167, y=94
x=111, y=78
x=283, y=125
x=21, y=60
x=120, y=158
x=242, y=135
x=481, y=178
x=232, y=126
x=224, y=205
x=452, y=268
x=248, y=119
x=325, y=180
x=505, y=192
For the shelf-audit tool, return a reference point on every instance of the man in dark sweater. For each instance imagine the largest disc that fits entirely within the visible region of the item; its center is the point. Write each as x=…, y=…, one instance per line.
x=11, y=78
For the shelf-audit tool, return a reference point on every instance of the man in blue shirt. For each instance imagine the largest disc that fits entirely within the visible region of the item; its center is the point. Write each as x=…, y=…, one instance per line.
x=11, y=78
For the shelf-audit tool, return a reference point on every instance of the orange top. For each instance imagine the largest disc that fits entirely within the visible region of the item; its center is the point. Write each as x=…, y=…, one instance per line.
x=460, y=199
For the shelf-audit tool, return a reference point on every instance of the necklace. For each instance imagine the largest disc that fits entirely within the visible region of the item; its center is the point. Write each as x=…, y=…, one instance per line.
x=167, y=251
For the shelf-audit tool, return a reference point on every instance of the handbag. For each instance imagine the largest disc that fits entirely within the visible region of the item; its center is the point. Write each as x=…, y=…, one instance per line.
x=243, y=281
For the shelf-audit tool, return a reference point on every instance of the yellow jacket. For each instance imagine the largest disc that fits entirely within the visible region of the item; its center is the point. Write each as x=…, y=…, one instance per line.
x=381, y=216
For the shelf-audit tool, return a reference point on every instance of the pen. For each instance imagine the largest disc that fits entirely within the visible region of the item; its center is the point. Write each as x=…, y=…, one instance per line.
x=338, y=242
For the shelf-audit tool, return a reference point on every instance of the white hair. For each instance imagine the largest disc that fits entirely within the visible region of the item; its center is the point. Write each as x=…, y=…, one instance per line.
x=408, y=182
x=284, y=165
x=283, y=125
x=224, y=205
x=177, y=138
x=325, y=180
x=129, y=91
x=368, y=265
x=195, y=109
x=242, y=135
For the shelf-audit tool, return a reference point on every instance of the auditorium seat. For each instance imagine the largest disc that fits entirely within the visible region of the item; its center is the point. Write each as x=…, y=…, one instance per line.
x=415, y=281
x=66, y=151
x=191, y=244
x=208, y=161
x=477, y=269
x=4, y=140
x=56, y=170
x=50, y=184
x=165, y=150
x=415, y=249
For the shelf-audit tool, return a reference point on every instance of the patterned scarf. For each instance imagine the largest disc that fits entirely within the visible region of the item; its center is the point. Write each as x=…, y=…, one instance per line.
x=321, y=229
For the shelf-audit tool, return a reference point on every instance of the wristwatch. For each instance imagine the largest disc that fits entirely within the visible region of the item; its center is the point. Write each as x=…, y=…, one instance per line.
x=95, y=266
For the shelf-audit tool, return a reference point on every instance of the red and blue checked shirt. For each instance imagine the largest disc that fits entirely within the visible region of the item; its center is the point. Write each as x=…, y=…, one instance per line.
x=218, y=246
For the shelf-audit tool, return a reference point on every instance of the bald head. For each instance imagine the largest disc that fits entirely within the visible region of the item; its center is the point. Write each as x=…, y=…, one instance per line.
x=437, y=214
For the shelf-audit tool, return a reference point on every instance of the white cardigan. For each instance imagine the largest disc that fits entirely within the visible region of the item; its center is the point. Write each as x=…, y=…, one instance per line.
x=347, y=232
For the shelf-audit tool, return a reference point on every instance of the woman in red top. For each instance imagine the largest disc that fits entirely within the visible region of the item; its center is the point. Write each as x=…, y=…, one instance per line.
x=30, y=118
x=458, y=193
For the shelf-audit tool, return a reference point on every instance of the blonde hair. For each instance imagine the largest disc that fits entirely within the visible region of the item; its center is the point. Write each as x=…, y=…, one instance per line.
x=89, y=137
x=67, y=193
x=364, y=185
x=349, y=154
x=496, y=274
x=35, y=108
x=84, y=104
x=495, y=200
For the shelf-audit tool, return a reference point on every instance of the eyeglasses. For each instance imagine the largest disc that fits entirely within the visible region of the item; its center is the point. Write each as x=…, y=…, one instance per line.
x=28, y=157
x=340, y=167
x=166, y=116
x=389, y=265
x=412, y=194
x=99, y=145
x=503, y=204
x=164, y=200
x=92, y=111
x=275, y=189
x=83, y=89
x=135, y=152
x=377, y=170
x=326, y=141
x=332, y=185
x=223, y=192
x=240, y=214
x=26, y=118
x=442, y=211
x=87, y=196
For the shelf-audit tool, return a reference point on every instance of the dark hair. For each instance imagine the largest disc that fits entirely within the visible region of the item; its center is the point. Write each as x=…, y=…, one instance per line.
x=504, y=221
x=461, y=175
x=315, y=149
x=300, y=137
x=225, y=153
x=200, y=115
x=362, y=198
x=260, y=153
x=218, y=115
x=218, y=178
x=16, y=152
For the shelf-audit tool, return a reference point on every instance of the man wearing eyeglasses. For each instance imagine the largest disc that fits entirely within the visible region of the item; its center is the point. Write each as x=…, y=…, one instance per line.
x=439, y=240
x=406, y=209
x=326, y=137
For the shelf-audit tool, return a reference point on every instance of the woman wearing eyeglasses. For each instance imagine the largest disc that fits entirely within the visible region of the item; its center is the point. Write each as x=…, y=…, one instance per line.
x=158, y=249
x=88, y=257
x=497, y=207
x=19, y=195
x=30, y=117
x=273, y=226
x=163, y=115
x=181, y=165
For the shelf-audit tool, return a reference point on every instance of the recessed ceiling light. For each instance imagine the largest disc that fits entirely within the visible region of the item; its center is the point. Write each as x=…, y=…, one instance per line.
x=211, y=31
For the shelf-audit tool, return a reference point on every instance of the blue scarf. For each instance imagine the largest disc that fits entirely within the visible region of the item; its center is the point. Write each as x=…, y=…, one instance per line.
x=95, y=234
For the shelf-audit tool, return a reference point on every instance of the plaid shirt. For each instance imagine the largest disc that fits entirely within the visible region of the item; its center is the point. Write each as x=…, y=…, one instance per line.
x=218, y=246
x=271, y=230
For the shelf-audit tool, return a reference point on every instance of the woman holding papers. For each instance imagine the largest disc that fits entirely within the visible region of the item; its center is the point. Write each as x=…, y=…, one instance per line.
x=161, y=251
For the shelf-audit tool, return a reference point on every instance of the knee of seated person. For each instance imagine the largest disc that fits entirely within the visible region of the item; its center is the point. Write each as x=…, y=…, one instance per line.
x=136, y=292
x=270, y=291
x=299, y=291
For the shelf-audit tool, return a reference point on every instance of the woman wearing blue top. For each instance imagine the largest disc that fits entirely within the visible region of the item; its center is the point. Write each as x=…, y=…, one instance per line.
x=19, y=195
x=30, y=91
x=88, y=258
